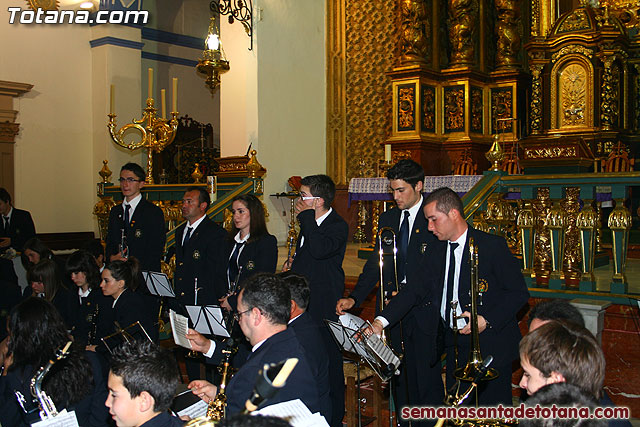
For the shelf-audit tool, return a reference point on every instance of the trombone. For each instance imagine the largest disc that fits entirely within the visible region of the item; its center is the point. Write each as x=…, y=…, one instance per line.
x=386, y=238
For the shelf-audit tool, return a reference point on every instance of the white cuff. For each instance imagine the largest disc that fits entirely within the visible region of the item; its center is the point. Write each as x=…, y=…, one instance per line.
x=212, y=349
x=382, y=320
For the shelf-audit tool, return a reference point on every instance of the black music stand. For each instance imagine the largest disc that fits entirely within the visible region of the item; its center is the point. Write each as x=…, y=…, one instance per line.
x=208, y=320
x=158, y=284
x=133, y=332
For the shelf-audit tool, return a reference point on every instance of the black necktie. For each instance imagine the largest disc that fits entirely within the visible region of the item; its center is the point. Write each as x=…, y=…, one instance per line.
x=450, y=277
x=187, y=236
x=127, y=220
x=234, y=270
x=403, y=243
x=5, y=224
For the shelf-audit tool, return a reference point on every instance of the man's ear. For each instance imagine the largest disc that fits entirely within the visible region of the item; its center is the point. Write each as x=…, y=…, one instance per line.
x=294, y=307
x=146, y=402
x=419, y=185
x=556, y=377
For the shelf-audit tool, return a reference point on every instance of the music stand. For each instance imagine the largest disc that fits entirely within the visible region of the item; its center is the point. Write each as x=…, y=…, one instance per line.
x=208, y=320
x=133, y=332
x=158, y=284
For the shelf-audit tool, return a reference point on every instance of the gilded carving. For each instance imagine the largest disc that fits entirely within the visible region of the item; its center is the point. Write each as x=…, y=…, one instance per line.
x=415, y=32
x=454, y=109
x=428, y=108
x=572, y=48
x=233, y=166
x=542, y=241
x=463, y=16
x=477, y=110
x=501, y=108
x=637, y=112
x=573, y=96
x=550, y=152
x=572, y=253
x=535, y=17
x=535, y=114
x=406, y=107
x=507, y=32
x=578, y=20
x=370, y=34
x=609, y=94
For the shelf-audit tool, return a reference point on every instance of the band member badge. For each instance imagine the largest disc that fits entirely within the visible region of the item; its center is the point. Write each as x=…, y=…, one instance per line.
x=483, y=285
x=251, y=265
x=196, y=254
x=423, y=248
x=138, y=233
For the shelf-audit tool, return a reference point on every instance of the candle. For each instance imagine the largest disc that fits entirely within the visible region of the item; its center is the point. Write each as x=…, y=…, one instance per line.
x=163, y=101
x=174, y=104
x=387, y=152
x=150, y=82
x=113, y=100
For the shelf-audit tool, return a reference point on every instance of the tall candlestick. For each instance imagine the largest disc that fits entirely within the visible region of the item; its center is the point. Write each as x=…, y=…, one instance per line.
x=163, y=101
x=387, y=152
x=174, y=104
x=113, y=100
x=150, y=83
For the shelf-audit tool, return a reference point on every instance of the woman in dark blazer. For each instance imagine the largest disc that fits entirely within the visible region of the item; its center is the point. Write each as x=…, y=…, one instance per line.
x=250, y=248
x=45, y=282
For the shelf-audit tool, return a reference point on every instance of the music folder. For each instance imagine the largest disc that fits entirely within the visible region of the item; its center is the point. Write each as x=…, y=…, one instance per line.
x=158, y=284
x=208, y=319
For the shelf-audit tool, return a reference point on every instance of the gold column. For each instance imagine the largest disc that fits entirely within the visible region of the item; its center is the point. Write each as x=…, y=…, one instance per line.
x=555, y=222
x=619, y=223
x=526, y=227
x=587, y=222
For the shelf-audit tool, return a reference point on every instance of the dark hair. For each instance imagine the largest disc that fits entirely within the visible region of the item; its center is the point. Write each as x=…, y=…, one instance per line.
x=203, y=196
x=125, y=270
x=4, y=195
x=83, y=262
x=556, y=309
x=406, y=170
x=270, y=295
x=569, y=350
x=46, y=271
x=34, y=244
x=248, y=420
x=298, y=287
x=566, y=396
x=136, y=169
x=95, y=248
x=258, y=224
x=37, y=332
x=446, y=199
x=321, y=186
x=144, y=366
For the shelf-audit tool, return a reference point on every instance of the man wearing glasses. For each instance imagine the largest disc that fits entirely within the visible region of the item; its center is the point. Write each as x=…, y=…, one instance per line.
x=136, y=227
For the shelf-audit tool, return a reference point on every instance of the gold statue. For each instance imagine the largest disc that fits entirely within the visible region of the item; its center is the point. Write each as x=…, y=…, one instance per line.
x=508, y=37
x=415, y=32
x=463, y=15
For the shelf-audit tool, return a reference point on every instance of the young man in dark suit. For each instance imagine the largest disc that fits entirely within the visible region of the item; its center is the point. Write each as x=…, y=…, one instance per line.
x=264, y=307
x=415, y=385
x=446, y=278
x=141, y=221
x=199, y=252
x=318, y=257
x=16, y=225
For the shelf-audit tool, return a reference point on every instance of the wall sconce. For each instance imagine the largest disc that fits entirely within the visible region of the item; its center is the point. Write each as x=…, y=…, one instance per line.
x=213, y=62
x=240, y=10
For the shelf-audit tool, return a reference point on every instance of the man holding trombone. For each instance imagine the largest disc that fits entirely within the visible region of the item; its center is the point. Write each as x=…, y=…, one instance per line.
x=446, y=278
x=406, y=227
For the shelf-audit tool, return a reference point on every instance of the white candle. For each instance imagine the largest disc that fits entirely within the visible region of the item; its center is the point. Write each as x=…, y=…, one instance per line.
x=113, y=99
x=174, y=104
x=150, y=82
x=387, y=152
x=163, y=101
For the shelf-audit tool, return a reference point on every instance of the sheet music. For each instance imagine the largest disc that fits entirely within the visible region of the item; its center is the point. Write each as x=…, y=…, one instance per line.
x=179, y=327
x=198, y=409
x=208, y=319
x=158, y=284
x=63, y=419
x=351, y=321
x=295, y=413
x=347, y=342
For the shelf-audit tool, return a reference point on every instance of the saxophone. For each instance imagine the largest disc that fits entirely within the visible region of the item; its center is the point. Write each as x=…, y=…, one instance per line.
x=46, y=405
x=218, y=406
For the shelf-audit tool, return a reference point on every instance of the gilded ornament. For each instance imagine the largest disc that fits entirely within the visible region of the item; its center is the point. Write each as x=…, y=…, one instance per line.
x=253, y=165
x=620, y=217
x=406, y=105
x=507, y=33
x=428, y=108
x=251, y=265
x=536, y=98
x=550, y=152
x=578, y=20
x=196, y=255
x=483, y=285
x=542, y=240
x=454, y=108
x=415, y=33
x=571, y=49
x=572, y=247
x=197, y=174
x=138, y=233
x=105, y=173
x=535, y=17
x=587, y=218
x=477, y=109
x=525, y=217
x=573, y=95
x=501, y=108
x=101, y=211
x=423, y=248
x=610, y=93
x=495, y=155
x=463, y=18
x=555, y=218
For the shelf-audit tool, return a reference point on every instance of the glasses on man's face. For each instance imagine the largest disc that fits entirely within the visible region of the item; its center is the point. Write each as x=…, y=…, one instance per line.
x=129, y=180
x=237, y=316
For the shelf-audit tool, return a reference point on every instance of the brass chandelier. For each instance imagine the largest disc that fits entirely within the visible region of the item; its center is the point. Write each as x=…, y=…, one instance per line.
x=213, y=62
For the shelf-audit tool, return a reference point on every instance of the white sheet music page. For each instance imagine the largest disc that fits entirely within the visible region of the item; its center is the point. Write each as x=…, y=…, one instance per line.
x=63, y=419
x=198, y=409
x=295, y=413
x=179, y=327
x=351, y=321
